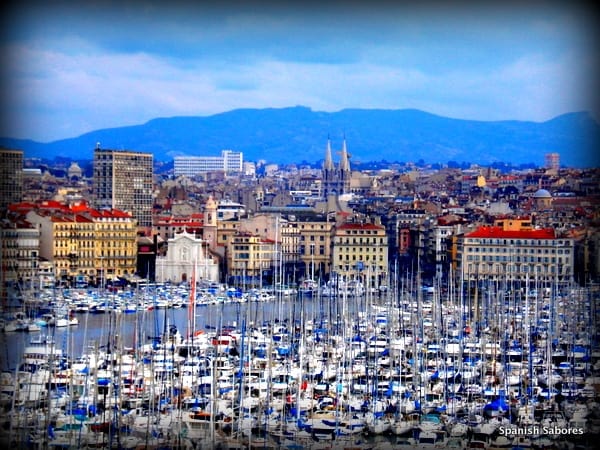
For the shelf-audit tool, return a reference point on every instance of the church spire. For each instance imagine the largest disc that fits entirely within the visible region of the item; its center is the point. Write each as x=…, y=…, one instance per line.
x=344, y=161
x=328, y=163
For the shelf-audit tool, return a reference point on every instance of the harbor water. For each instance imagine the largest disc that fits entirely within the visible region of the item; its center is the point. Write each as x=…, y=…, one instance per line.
x=370, y=370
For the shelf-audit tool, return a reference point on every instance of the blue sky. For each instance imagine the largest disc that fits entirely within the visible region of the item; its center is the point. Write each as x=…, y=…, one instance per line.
x=71, y=69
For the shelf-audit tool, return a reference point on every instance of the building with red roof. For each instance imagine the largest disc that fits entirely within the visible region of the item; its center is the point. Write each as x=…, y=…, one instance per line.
x=84, y=244
x=511, y=253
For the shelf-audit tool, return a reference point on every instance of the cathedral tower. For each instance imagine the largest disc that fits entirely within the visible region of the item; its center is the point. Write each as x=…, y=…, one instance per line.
x=336, y=179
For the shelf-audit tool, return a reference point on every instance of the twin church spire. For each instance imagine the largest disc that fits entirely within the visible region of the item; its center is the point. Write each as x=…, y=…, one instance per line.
x=336, y=179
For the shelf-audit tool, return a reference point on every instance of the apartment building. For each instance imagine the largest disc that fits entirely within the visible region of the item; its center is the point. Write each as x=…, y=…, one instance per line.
x=11, y=177
x=303, y=241
x=84, y=244
x=67, y=240
x=249, y=257
x=513, y=250
x=314, y=243
x=20, y=247
x=191, y=166
x=115, y=243
x=360, y=250
x=123, y=181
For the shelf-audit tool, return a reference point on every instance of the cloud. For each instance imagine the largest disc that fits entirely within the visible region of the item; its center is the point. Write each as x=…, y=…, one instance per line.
x=77, y=71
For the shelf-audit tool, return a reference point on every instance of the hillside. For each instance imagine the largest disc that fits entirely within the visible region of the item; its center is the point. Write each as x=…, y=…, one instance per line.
x=298, y=134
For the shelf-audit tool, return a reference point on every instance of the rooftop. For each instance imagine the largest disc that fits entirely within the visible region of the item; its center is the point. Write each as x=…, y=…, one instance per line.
x=499, y=232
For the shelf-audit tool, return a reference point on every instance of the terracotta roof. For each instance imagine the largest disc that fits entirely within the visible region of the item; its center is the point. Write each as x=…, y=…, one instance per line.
x=498, y=232
x=67, y=218
x=359, y=226
x=62, y=212
x=117, y=213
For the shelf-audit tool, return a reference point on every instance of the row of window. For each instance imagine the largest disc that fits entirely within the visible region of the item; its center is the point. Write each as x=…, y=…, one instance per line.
x=518, y=259
x=267, y=256
x=367, y=241
x=23, y=254
x=81, y=244
x=546, y=251
x=311, y=238
x=302, y=249
x=312, y=227
x=379, y=249
x=360, y=258
x=523, y=242
x=351, y=267
x=89, y=255
x=500, y=269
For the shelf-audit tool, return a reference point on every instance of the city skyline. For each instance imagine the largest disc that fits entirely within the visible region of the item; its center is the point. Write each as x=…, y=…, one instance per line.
x=73, y=70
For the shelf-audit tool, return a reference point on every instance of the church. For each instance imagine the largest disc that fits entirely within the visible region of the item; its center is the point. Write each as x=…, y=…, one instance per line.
x=336, y=179
x=186, y=256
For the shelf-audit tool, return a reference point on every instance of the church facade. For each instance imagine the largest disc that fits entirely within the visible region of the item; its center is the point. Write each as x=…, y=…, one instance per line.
x=186, y=256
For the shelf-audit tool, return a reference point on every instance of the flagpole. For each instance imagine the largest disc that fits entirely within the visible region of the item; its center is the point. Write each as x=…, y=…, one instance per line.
x=192, y=304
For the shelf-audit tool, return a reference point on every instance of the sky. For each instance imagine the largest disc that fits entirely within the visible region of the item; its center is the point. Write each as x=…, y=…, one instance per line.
x=68, y=70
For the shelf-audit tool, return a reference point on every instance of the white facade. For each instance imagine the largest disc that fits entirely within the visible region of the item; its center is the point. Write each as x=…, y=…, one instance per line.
x=186, y=254
x=190, y=166
x=522, y=255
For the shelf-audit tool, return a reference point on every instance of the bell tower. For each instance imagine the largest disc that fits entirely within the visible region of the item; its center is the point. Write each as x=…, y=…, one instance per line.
x=210, y=223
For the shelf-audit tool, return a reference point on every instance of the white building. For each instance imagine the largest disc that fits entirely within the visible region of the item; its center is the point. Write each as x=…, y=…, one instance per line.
x=186, y=254
x=228, y=209
x=190, y=166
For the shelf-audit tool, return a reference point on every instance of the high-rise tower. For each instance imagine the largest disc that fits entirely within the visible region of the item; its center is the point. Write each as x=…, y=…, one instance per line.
x=11, y=177
x=123, y=180
x=552, y=161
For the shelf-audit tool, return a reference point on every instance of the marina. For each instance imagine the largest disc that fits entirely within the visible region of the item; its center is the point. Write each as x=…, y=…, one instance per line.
x=318, y=366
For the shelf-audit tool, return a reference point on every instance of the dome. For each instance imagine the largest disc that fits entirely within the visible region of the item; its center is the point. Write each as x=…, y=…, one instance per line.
x=542, y=193
x=74, y=170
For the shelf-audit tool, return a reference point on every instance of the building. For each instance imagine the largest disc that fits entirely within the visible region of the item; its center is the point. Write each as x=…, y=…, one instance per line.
x=20, y=246
x=360, y=250
x=250, y=259
x=191, y=166
x=407, y=223
x=552, y=161
x=210, y=226
x=67, y=240
x=74, y=172
x=187, y=257
x=115, y=244
x=336, y=179
x=83, y=244
x=312, y=235
x=513, y=251
x=437, y=236
x=11, y=177
x=148, y=249
x=227, y=209
x=542, y=200
x=303, y=240
x=123, y=181
x=167, y=227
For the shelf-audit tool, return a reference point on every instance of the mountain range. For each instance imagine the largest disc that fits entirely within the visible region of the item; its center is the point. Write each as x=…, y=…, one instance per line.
x=296, y=134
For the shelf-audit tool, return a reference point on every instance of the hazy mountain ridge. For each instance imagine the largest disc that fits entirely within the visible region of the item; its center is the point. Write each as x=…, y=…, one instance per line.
x=286, y=135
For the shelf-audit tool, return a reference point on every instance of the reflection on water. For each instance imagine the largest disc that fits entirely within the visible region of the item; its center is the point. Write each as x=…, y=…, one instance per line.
x=133, y=329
